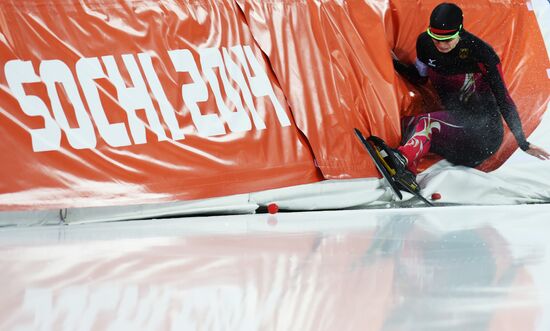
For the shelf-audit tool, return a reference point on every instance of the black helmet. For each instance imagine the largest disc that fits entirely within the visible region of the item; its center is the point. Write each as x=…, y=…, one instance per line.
x=445, y=21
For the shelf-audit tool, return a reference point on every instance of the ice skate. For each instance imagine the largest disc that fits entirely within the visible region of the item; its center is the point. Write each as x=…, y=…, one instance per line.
x=393, y=166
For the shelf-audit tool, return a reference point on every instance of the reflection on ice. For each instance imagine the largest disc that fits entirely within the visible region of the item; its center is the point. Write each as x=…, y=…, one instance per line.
x=468, y=268
x=455, y=280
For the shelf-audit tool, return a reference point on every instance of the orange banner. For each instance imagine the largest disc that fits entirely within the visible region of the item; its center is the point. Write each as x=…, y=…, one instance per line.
x=117, y=102
x=333, y=63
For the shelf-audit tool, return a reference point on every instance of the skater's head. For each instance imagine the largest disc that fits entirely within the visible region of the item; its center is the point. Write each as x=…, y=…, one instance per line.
x=445, y=26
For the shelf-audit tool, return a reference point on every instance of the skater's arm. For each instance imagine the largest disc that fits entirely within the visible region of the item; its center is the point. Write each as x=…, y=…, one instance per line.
x=411, y=72
x=510, y=114
x=416, y=73
x=506, y=104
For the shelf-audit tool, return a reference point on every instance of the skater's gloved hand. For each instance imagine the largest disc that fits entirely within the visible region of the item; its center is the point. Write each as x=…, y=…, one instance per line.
x=538, y=152
x=410, y=72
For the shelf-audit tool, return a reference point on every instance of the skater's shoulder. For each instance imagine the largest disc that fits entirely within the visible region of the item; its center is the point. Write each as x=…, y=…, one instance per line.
x=480, y=49
x=475, y=42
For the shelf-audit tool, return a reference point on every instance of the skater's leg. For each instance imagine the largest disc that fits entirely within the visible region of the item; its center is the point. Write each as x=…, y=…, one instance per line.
x=433, y=128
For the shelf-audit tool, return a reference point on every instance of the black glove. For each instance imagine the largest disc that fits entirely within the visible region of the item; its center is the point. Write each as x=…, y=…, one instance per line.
x=409, y=72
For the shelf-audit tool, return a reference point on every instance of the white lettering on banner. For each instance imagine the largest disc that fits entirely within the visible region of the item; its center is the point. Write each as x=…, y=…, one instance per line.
x=49, y=137
x=261, y=86
x=216, y=65
x=237, y=121
x=87, y=70
x=237, y=75
x=53, y=72
x=193, y=93
x=166, y=108
x=134, y=98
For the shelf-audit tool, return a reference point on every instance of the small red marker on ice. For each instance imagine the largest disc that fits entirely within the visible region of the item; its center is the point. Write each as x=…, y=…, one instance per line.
x=272, y=208
x=436, y=196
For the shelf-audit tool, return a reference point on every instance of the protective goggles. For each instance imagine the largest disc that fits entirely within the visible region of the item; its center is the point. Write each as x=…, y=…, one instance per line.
x=443, y=35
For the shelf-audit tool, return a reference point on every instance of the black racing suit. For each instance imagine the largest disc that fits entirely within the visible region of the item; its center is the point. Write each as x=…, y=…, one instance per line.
x=469, y=83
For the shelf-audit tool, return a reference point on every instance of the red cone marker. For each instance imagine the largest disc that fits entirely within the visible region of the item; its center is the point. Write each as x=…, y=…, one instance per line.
x=272, y=208
x=436, y=196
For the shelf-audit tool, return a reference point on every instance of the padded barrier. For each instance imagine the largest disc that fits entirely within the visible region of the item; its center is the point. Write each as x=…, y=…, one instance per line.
x=115, y=102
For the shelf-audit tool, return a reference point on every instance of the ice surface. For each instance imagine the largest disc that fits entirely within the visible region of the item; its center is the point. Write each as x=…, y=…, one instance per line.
x=451, y=268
